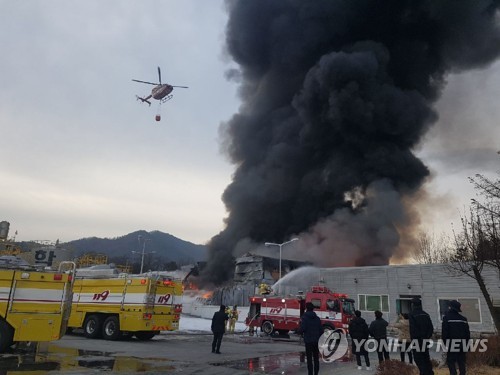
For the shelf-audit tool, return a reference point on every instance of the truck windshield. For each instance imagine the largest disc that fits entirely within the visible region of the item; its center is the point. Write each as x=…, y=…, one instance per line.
x=348, y=307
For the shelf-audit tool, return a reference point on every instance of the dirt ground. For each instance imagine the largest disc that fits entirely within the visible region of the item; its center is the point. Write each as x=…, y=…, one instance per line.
x=484, y=370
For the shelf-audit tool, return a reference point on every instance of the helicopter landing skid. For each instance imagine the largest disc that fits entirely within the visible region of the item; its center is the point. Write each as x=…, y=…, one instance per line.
x=167, y=98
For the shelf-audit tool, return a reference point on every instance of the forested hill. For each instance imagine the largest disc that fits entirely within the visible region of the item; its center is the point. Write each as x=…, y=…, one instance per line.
x=163, y=245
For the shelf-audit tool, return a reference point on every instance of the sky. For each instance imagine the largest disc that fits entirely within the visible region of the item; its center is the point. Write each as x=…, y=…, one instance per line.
x=80, y=157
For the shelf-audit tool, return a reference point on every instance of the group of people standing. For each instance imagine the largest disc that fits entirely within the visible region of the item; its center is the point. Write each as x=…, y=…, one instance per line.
x=414, y=329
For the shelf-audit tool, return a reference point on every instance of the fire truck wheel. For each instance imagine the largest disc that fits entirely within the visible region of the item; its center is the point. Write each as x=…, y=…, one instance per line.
x=92, y=326
x=111, y=328
x=6, y=335
x=145, y=335
x=267, y=327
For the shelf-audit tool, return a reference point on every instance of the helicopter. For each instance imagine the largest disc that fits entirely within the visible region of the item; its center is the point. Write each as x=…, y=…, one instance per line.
x=160, y=92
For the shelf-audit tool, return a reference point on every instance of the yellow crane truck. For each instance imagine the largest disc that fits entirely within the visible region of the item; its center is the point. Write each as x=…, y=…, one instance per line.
x=34, y=304
x=140, y=305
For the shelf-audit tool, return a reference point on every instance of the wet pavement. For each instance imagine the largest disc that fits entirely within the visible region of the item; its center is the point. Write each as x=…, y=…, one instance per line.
x=172, y=353
x=45, y=358
x=176, y=354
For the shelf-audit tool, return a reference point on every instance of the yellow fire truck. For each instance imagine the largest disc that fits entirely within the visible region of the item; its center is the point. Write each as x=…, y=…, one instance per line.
x=142, y=305
x=34, y=304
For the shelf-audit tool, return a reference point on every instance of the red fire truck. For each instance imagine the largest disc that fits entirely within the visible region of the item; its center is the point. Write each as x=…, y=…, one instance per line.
x=282, y=314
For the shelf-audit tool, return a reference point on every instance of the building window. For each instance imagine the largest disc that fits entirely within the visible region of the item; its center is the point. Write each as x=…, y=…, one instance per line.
x=470, y=308
x=369, y=302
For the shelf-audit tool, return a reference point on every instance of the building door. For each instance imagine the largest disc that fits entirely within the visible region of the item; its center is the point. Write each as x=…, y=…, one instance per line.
x=403, y=303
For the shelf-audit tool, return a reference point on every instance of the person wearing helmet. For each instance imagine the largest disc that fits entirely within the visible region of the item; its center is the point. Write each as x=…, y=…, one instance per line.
x=233, y=317
x=228, y=312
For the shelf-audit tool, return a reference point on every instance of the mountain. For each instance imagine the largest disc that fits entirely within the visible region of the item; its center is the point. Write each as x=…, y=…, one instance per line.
x=163, y=245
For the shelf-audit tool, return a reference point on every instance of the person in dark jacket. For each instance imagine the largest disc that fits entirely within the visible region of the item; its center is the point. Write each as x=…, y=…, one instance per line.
x=358, y=330
x=378, y=329
x=421, y=329
x=455, y=327
x=311, y=328
x=218, y=328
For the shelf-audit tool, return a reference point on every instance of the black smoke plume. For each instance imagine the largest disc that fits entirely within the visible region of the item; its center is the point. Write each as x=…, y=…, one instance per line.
x=335, y=96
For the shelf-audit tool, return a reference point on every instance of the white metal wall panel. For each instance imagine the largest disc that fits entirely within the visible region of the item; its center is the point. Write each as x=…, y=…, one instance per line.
x=431, y=282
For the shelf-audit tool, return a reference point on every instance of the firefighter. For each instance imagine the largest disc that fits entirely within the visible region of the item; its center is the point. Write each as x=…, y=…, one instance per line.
x=233, y=317
x=228, y=312
x=264, y=288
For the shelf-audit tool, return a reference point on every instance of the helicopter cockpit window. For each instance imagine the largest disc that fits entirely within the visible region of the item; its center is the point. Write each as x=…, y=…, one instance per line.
x=333, y=305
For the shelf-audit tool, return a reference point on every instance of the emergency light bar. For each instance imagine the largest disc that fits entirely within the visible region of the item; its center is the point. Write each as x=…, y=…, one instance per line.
x=320, y=289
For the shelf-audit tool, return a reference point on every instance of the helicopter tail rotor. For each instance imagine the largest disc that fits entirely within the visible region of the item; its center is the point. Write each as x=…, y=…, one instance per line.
x=143, y=100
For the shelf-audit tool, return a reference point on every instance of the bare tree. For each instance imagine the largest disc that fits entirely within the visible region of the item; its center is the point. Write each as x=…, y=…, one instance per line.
x=489, y=212
x=488, y=188
x=430, y=249
x=478, y=244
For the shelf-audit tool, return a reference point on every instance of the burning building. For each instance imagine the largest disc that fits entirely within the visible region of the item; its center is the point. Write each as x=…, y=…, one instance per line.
x=336, y=95
x=257, y=268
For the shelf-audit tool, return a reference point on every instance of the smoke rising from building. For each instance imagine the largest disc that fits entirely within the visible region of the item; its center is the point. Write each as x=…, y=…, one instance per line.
x=335, y=97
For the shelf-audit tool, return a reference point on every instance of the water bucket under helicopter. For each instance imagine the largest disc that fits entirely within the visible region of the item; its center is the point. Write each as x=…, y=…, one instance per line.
x=158, y=113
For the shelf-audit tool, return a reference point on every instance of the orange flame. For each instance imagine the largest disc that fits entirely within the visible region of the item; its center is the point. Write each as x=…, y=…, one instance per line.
x=208, y=294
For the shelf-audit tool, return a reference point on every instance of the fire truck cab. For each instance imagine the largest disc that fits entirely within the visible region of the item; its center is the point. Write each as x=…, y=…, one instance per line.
x=282, y=314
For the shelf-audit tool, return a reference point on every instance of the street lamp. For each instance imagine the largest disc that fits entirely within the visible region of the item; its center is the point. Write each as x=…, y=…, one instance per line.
x=143, y=251
x=280, y=246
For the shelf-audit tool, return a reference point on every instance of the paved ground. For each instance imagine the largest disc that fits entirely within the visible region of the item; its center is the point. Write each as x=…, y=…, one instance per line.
x=177, y=353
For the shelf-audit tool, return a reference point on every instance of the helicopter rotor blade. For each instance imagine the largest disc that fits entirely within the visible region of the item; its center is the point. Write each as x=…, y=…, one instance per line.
x=182, y=87
x=149, y=83
x=159, y=74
